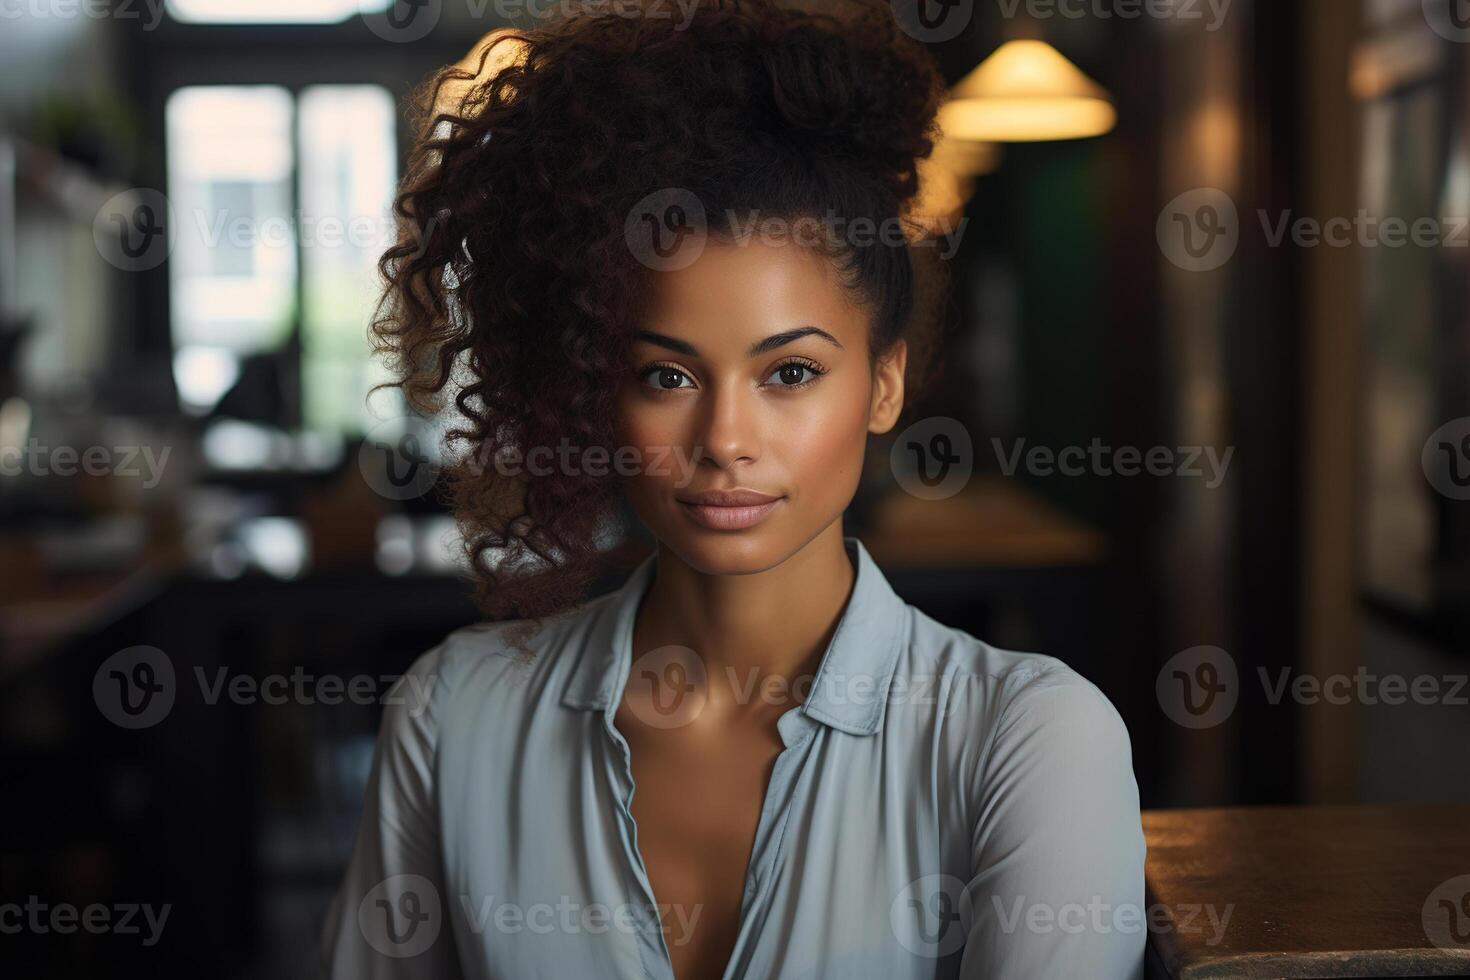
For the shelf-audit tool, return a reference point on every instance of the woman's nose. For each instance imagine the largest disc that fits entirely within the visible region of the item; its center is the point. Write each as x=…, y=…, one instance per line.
x=729, y=433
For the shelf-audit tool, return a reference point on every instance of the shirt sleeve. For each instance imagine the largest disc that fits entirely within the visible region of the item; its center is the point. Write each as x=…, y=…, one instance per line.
x=1057, y=884
x=389, y=918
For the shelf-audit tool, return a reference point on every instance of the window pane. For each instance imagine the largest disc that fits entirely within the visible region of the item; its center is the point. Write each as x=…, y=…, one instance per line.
x=232, y=273
x=271, y=11
x=348, y=171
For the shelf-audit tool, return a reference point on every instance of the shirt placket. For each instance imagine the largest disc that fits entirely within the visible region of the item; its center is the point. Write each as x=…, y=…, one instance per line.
x=652, y=949
x=768, y=849
x=796, y=731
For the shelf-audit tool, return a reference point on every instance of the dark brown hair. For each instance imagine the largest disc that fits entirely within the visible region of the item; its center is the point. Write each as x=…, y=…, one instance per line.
x=514, y=286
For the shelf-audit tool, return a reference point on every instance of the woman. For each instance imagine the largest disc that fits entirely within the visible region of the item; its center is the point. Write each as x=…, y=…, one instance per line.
x=658, y=253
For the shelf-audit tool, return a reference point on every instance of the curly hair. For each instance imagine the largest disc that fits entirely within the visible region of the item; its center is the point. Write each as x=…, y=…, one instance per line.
x=513, y=285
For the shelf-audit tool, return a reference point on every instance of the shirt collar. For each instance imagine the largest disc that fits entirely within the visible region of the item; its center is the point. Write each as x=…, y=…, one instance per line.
x=850, y=689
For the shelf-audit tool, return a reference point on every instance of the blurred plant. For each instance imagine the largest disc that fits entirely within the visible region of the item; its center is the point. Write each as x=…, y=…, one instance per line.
x=102, y=133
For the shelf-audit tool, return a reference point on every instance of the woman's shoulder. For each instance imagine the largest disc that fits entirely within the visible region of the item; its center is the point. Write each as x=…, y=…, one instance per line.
x=947, y=652
x=501, y=666
x=1035, y=749
x=994, y=696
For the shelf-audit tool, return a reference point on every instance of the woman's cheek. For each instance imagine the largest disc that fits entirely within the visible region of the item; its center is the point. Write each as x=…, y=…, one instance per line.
x=656, y=439
x=824, y=448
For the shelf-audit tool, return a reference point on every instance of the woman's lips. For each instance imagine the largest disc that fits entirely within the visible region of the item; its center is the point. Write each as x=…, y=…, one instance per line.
x=729, y=517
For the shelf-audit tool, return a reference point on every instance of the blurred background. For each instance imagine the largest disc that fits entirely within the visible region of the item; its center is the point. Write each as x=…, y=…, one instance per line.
x=1203, y=430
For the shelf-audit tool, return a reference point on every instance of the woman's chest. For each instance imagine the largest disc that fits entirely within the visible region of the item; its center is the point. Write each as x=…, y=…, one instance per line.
x=696, y=807
x=803, y=859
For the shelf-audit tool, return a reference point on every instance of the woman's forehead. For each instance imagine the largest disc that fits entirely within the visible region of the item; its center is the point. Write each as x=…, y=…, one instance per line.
x=733, y=295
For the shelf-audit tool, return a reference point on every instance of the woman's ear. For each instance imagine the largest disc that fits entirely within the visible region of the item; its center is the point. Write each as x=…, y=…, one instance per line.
x=887, y=401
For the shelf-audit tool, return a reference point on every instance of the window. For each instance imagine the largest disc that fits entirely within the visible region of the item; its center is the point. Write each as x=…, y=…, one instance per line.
x=271, y=11
x=282, y=204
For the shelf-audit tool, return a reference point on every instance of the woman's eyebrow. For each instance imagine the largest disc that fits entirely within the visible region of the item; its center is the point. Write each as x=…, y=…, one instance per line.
x=787, y=336
x=664, y=340
x=759, y=347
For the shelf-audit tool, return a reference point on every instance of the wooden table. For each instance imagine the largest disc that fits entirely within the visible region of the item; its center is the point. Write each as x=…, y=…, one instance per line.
x=40, y=611
x=1310, y=892
x=994, y=522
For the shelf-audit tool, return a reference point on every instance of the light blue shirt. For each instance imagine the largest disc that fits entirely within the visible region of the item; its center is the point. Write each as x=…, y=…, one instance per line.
x=942, y=808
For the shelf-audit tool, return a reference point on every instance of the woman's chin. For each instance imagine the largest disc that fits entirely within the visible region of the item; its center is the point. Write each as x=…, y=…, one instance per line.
x=728, y=552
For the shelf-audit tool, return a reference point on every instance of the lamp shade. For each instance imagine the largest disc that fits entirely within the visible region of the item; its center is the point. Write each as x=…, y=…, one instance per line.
x=1027, y=91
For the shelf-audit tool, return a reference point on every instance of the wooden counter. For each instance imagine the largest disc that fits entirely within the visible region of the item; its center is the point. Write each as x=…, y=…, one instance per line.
x=1310, y=891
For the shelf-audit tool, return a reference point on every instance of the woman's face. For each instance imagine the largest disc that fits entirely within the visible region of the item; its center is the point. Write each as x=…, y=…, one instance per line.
x=751, y=373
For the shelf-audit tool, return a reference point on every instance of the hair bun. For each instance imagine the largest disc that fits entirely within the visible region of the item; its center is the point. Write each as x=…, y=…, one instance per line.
x=867, y=94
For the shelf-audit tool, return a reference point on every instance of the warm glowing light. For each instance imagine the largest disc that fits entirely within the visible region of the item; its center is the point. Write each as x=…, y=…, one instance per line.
x=504, y=54
x=1027, y=91
x=947, y=180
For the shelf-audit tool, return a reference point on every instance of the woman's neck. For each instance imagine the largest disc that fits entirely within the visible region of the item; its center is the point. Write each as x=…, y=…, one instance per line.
x=753, y=632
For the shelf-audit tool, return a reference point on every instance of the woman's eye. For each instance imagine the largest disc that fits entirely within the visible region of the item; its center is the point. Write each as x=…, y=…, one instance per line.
x=667, y=378
x=792, y=374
